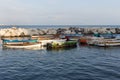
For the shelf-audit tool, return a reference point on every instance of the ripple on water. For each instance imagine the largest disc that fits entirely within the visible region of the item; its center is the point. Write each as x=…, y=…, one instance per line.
x=82, y=63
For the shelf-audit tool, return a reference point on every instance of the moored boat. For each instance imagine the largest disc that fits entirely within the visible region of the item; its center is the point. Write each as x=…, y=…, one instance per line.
x=20, y=43
x=83, y=40
x=23, y=46
x=108, y=42
x=66, y=44
x=93, y=40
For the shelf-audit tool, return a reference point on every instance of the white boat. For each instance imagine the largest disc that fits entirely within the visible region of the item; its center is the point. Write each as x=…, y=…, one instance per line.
x=93, y=40
x=108, y=42
x=27, y=44
x=23, y=46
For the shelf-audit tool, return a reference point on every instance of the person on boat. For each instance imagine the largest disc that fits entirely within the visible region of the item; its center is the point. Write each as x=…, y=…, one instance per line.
x=67, y=38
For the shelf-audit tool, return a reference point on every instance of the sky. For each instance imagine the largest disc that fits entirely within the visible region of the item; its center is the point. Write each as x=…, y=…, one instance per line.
x=60, y=12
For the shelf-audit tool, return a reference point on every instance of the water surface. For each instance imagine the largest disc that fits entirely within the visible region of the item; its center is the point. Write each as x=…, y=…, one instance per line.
x=81, y=63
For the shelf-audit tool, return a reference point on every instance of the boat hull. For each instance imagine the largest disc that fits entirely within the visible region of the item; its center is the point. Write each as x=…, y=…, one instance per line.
x=23, y=46
x=107, y=45
x=109, y=42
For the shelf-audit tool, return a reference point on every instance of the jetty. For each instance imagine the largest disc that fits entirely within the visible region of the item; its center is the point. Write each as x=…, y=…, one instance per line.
x=58, y=37
x=14, y=31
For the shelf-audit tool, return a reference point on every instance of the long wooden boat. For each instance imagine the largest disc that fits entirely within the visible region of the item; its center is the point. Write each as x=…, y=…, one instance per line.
x=108, y=42
x=23, y=46
x=20, y=43
x=66, y=44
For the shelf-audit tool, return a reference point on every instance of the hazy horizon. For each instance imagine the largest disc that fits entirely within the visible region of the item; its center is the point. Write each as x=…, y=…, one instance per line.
x=60, y=12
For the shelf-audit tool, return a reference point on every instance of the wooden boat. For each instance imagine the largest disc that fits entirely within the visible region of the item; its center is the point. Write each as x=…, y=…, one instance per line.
x=67, y=44
x=99, y=38
x=83, y=40
x=21, y=43
x=23, y=46
x=93, y=40
x=108, y=42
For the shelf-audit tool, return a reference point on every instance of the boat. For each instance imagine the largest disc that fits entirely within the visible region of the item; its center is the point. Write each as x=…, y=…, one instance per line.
x=93, y=40
x=23, y=46
x=83, y=40
x=66, y=44
x=21, y=43
x=108, y=42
